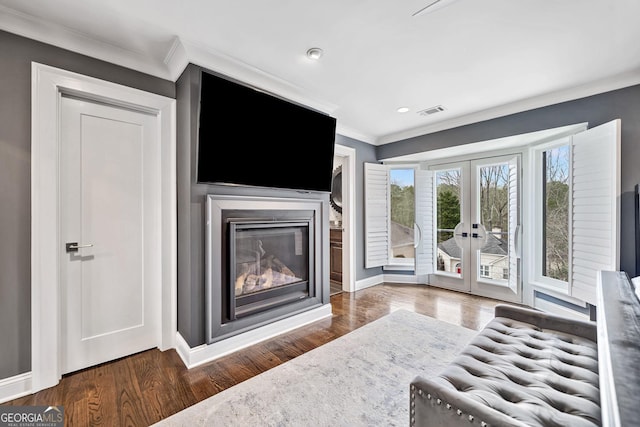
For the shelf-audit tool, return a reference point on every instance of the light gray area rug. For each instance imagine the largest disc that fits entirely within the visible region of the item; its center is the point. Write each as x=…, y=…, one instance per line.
x=359, y=379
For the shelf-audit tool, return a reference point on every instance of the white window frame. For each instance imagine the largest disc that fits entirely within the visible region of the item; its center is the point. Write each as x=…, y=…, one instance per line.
x=594, y=211
x=538, y=279
x=378, y=217
x=580, y=288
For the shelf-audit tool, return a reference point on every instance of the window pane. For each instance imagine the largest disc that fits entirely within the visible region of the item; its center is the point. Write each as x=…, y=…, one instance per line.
x=555, y=215
x=493, y=193
x=448, y=190
x=402, y=213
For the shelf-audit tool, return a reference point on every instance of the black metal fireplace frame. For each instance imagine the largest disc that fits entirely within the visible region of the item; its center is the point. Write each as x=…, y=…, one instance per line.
x=277, y=296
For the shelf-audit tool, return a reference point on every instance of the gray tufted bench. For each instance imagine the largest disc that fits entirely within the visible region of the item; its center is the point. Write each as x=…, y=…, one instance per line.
x=525, y=368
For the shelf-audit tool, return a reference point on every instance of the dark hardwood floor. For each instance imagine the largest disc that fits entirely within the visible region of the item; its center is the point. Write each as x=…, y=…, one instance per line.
x=144, y=388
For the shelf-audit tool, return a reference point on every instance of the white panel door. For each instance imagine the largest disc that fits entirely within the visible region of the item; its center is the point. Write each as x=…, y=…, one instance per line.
x=110, y=278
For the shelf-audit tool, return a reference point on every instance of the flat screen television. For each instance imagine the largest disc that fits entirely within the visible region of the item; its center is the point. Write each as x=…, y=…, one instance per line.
x=249, y=137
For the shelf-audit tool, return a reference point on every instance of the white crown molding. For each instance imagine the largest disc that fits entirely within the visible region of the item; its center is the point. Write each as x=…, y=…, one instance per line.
x=181, y=53
x=605, y=85
x=349, y=132
x=46, y=32
x=169, y=67
x=178, y=56
x=176, y=59
x=253, y=76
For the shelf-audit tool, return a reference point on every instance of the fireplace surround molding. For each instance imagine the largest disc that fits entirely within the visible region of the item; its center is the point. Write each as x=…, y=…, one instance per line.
x=222, y=213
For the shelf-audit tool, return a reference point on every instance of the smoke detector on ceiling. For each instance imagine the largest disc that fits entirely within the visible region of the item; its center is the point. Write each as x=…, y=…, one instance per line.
x=431, y=110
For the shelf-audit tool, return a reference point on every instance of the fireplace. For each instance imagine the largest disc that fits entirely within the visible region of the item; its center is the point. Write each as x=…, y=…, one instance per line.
x=263, y=261
x=269, y=262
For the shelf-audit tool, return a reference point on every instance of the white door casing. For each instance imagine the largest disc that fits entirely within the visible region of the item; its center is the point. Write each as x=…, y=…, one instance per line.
x=348, y=155
x=110, y=288
x=47, y=246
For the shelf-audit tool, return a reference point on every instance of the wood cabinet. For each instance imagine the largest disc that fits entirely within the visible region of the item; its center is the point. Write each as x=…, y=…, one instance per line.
x=335, y=254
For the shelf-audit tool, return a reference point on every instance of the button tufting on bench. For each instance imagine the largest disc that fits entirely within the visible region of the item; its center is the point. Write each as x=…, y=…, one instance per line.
x=535, y=375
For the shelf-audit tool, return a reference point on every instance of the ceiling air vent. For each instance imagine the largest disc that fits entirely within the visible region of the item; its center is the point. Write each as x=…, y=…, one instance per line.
x=432, y=110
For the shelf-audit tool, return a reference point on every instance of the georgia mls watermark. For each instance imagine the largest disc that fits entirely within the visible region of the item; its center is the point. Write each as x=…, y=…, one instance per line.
x=31, y=416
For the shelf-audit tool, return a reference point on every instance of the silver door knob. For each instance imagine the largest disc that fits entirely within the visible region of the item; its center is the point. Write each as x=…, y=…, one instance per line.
x=74, y=246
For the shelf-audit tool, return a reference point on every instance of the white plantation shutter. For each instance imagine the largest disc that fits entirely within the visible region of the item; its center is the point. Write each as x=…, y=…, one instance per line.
x=595, y=193
x=514, y=225
x=424, y=224
x=376, y=215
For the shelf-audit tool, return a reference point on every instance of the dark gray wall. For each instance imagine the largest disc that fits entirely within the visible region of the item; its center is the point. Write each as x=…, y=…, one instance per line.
x=621, y=104
x=190, y=284
x=17, y=53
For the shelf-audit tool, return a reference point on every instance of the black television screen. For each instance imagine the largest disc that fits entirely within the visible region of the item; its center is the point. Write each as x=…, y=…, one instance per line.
x=249, y=137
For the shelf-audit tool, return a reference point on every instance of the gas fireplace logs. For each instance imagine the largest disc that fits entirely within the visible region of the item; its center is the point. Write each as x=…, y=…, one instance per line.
x=270, y=272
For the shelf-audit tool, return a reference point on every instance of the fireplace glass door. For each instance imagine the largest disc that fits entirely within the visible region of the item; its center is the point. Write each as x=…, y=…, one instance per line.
x=268, y=265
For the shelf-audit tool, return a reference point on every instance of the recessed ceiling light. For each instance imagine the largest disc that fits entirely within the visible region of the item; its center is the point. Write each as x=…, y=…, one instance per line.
x=314, y=53
x=402, y=109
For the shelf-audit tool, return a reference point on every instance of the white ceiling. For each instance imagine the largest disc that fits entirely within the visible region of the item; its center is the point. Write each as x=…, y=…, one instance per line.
x=479, y=59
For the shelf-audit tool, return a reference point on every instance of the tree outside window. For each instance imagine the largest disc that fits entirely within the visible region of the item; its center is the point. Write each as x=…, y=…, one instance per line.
x=448, y=202
x=403, y=212
x=556, y=213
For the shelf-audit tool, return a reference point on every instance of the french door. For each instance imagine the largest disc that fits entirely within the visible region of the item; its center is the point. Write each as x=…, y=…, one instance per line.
x=477, y=227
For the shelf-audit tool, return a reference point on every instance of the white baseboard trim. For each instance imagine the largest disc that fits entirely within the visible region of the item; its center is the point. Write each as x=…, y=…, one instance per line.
x=410, y=279
x=15, y=387
x=204, y=353
x=388, y=278
x=369, y=282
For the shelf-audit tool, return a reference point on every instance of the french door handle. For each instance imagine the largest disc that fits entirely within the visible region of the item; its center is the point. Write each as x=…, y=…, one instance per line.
x=417, y=232
x=74, y=246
